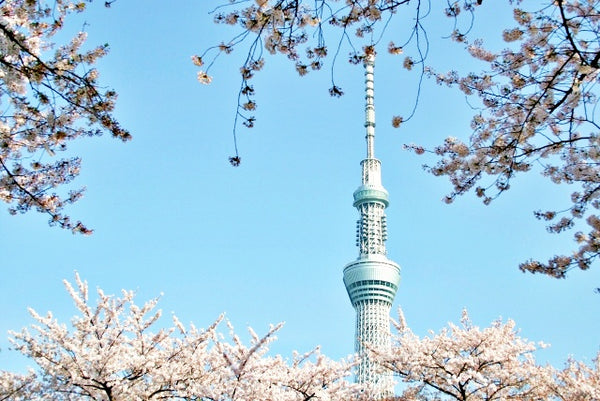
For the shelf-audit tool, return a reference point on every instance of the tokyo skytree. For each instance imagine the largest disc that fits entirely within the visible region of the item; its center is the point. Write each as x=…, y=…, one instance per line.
x=372, y=279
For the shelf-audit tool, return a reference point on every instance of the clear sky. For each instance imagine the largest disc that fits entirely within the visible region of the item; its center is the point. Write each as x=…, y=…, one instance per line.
x=267, y=241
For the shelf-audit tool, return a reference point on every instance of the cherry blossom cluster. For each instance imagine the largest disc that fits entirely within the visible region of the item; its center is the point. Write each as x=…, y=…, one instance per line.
x=538, y=100
x=50, y=96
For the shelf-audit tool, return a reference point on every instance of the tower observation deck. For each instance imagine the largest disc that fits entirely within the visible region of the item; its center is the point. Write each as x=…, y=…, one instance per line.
x=372, y=279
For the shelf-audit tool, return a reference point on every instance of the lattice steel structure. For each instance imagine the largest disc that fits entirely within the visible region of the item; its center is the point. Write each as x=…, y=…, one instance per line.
x=372, y=280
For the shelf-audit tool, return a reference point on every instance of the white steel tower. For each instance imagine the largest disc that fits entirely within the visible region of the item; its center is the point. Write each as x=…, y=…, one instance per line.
x=371, y=280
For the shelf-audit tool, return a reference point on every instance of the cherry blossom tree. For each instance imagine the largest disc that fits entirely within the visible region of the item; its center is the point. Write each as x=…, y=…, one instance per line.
x=466, y=363
x=110, y=353
x=50, y=95
x=113, y=351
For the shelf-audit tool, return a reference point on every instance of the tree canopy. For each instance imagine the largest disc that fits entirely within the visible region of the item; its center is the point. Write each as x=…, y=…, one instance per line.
x=114, y=349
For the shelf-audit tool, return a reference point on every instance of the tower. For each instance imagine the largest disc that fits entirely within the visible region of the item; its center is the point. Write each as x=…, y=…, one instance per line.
x=372, y=279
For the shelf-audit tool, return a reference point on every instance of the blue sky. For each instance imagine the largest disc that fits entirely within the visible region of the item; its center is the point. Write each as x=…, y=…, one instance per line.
x=267, y=242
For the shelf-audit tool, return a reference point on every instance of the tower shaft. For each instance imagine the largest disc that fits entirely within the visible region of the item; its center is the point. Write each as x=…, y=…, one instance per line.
x=372, y=279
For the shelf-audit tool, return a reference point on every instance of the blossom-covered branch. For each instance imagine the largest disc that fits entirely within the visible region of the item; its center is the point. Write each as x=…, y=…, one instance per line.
x=301, y=31
x=538, y=110
x=51, y=96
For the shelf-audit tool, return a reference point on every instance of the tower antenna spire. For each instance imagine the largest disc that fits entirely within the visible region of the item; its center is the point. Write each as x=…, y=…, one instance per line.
x=369, y=61
x=372, y=279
